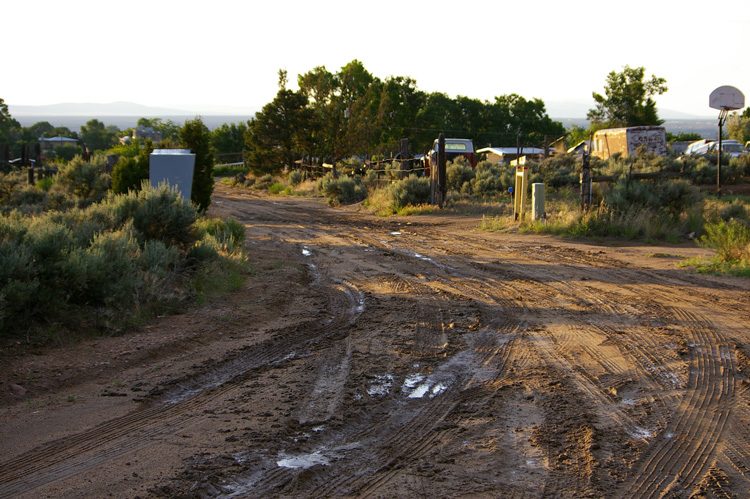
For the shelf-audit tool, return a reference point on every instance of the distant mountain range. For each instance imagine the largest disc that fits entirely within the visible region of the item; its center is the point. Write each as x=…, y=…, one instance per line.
x=577, y=109
x=124, y=109
x=125, y=115
x=556, y=109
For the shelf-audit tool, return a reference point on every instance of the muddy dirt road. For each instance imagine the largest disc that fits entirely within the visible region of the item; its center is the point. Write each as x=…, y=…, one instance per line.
x=400, y=357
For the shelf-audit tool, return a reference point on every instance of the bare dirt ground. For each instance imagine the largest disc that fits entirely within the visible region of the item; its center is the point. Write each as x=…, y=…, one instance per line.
x=400, y=357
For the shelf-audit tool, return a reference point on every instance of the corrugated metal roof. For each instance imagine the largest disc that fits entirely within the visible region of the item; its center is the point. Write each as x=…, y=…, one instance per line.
x=57, y=139
x=510, y=151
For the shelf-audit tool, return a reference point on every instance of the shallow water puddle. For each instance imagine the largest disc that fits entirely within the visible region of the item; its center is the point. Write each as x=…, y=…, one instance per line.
x=304, y=460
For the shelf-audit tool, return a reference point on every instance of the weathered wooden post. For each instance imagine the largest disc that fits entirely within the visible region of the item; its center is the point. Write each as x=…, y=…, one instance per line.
x=403, y=155
x=585, y=180
x=442, y=186
x=38, y=154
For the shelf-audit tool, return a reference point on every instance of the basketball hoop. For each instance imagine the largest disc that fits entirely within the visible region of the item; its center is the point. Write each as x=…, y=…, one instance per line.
x=724, y=99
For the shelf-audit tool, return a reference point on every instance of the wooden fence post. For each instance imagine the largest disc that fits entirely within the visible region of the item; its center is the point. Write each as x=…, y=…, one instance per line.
x=441, y=187
x=403, y=154
x=585, y=182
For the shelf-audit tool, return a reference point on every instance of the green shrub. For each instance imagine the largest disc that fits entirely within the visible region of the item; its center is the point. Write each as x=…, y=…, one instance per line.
x=263, y=182
x=731, y=240
x=45, y=183
x=457, y=174
x=124, y=256
x=295, y=177
x=28, y=199
x=228, y=233
x=492, y=179
x=86, y=222
x=132, y=169
x=229, y=170
x=84, y=180
x=160, y=214
x=205, y=249
x=341, y=190
x=19, y=283
x=412, y=191
x=158, y=258
x=670, y=197
x=278, y=188
x=109, y=270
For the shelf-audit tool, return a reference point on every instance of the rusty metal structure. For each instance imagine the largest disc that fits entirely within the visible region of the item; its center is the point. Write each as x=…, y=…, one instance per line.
x=626, y=141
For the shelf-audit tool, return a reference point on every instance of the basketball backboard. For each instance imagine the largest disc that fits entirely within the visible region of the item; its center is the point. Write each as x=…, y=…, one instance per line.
x=726, y=98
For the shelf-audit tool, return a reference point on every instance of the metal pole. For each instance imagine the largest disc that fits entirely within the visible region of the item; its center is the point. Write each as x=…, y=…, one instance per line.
x=722, y=118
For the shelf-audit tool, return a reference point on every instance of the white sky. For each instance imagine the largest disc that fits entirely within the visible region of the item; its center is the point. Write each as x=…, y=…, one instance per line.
x=188, y=55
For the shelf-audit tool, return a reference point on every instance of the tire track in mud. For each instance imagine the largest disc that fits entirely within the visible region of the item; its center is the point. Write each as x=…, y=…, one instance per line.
x=421, y=431
x=617, y=326
x=176, y=404
x=552, y=289
x=682, y=454
x=491, y=348
x=640, y=348
x=711, y=385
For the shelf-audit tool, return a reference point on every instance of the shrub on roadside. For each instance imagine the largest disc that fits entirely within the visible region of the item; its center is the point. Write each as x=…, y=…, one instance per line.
x=491, y=179
x=342, y=189
x=411, y=191
x=157, y=214
x=132, y=168
x=670, y=197
x=457, y=174
x=82, y=180
x=124, y=254
x=731, y=240
x=263, y=182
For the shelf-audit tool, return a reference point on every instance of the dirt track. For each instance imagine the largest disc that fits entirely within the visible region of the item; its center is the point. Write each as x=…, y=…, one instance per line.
x=401, y=357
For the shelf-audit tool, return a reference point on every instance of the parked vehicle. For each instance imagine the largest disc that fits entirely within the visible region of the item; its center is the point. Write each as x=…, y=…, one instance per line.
x=453, y=149
x=729, y=148
x=695, y=146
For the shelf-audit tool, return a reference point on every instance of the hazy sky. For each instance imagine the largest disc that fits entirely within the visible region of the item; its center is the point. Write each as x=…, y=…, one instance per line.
x=192, y=55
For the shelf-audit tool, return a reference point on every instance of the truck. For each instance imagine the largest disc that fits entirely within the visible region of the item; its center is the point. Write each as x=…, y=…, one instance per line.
x=453, y=149
x=626, y=141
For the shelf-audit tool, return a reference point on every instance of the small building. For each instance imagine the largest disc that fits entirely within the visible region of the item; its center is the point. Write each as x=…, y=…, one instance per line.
x=626, y=141
x=51, y=143
x=581, y=148
x=146, y=132
x=508, y=154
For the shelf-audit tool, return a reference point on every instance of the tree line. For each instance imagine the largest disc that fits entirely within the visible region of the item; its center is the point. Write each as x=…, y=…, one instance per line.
x=336, y=115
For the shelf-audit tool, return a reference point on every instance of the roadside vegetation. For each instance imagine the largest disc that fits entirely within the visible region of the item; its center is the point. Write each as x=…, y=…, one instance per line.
x=77, y=258
x=666, y=209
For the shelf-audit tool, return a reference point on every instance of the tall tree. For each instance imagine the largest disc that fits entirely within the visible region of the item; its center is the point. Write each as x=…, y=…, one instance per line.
x=197, y=137
x=278, y=133
x=229, y=138
x=628, y=99
x=37, y=130
x=738, y=126
x=97, y=136
x=8, y=126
